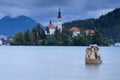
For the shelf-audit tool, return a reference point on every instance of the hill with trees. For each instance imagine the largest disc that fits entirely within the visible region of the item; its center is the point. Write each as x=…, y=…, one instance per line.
x=108, y=25
x=37, y=37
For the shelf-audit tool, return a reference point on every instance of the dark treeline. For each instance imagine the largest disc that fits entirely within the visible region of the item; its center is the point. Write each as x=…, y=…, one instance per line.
x=34, y=37
x=37, y=37
x=108, y=25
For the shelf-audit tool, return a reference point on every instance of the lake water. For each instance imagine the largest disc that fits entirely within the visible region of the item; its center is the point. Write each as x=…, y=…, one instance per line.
x=57, y=63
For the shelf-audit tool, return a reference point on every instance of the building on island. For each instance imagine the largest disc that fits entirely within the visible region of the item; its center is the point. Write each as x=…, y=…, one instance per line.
x=89, y=32
x=50, y=29
x=4, y=40
x=75, y=31
x=59, y=20
x=1, y=42
x=117, y=44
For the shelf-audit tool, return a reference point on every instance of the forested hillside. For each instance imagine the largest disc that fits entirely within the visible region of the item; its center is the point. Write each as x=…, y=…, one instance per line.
x=108, y=24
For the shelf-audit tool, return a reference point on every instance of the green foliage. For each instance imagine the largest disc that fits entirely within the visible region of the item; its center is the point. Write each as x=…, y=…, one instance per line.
x=58, y=35
x=50, y=40
x=47, y=29
x=86, y=24
x=18, y=39
x=99, y=39
x=66, y=37
x=108, y=25
x=35, y=37
x=26, y=38
x=80, y=41
x=40, y=32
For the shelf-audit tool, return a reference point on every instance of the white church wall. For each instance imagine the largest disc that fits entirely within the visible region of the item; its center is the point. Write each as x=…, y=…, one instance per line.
x=52, y=31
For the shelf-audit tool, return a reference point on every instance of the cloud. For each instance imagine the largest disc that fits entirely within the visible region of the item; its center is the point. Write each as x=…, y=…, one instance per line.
x=98, y=13
x=44, y=10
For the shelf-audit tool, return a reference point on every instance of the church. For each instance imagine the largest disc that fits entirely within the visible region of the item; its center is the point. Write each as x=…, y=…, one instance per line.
x=50, y=29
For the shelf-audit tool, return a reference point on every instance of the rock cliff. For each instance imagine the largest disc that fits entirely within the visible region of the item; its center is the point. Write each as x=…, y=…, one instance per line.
x=93, y=55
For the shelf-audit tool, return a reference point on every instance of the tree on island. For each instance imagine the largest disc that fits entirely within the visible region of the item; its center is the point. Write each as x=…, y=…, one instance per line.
x=18, y=39
x=99, y=39
x=37, y=37
x=26, y=37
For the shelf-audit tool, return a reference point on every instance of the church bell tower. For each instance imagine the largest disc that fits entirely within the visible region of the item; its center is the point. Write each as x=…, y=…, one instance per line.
x=59, y=20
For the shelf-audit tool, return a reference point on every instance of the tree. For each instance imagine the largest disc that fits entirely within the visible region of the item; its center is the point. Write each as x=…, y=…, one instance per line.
x=66, y=37
x=33, y=36
x=18, y=39
x=99, y=39
x=57, y=34
x=40, y=32
x=26, y=37
x=76, y=41
x=37, y=35
x=47, y=29
x=50, y=41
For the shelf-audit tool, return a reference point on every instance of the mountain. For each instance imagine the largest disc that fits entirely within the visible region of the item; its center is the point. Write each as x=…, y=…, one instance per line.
x=10, y=26
x=87, y=24
x=108, y=24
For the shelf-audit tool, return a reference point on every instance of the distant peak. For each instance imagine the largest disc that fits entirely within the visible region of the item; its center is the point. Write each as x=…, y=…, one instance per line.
x=7, y=16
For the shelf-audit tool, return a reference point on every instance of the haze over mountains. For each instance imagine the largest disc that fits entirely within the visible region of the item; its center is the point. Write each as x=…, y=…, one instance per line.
x=10, y=26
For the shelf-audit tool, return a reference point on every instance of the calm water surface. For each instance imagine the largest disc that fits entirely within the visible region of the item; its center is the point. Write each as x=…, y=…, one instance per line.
x=57, y=63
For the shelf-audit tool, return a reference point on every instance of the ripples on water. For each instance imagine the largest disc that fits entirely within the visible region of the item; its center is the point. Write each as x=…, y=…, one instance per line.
x=57, y=63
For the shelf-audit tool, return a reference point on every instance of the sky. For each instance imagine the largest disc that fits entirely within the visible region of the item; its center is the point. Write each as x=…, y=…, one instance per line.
x=45, y=10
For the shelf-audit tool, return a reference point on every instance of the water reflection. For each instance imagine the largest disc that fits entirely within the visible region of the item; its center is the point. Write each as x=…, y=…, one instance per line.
x=92, y=71
x=56, y=63
x=92, y=66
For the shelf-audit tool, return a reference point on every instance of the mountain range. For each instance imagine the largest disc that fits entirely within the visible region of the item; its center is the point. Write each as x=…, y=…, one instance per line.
x=10, y=26
x=108, y=25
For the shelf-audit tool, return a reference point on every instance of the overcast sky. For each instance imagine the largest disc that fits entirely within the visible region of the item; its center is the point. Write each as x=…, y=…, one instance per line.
x=44, y=10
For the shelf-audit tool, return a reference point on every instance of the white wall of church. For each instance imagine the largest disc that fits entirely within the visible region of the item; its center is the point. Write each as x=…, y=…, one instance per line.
x=52, y=31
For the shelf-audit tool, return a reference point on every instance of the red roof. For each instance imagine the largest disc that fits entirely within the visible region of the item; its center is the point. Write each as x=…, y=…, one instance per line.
x=51, y=26
x=74, y=29
x=90, y=31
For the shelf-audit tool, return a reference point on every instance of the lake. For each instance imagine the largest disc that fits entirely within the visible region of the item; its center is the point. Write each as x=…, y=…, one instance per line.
x=56, y=63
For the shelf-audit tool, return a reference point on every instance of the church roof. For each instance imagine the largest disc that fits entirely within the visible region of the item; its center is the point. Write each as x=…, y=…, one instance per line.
x=51, y=26
x=74, y=29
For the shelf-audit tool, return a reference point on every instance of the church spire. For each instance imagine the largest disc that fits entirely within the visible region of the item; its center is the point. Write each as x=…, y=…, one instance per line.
x=59, y=14
x=59, y=25
x=50, y=21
